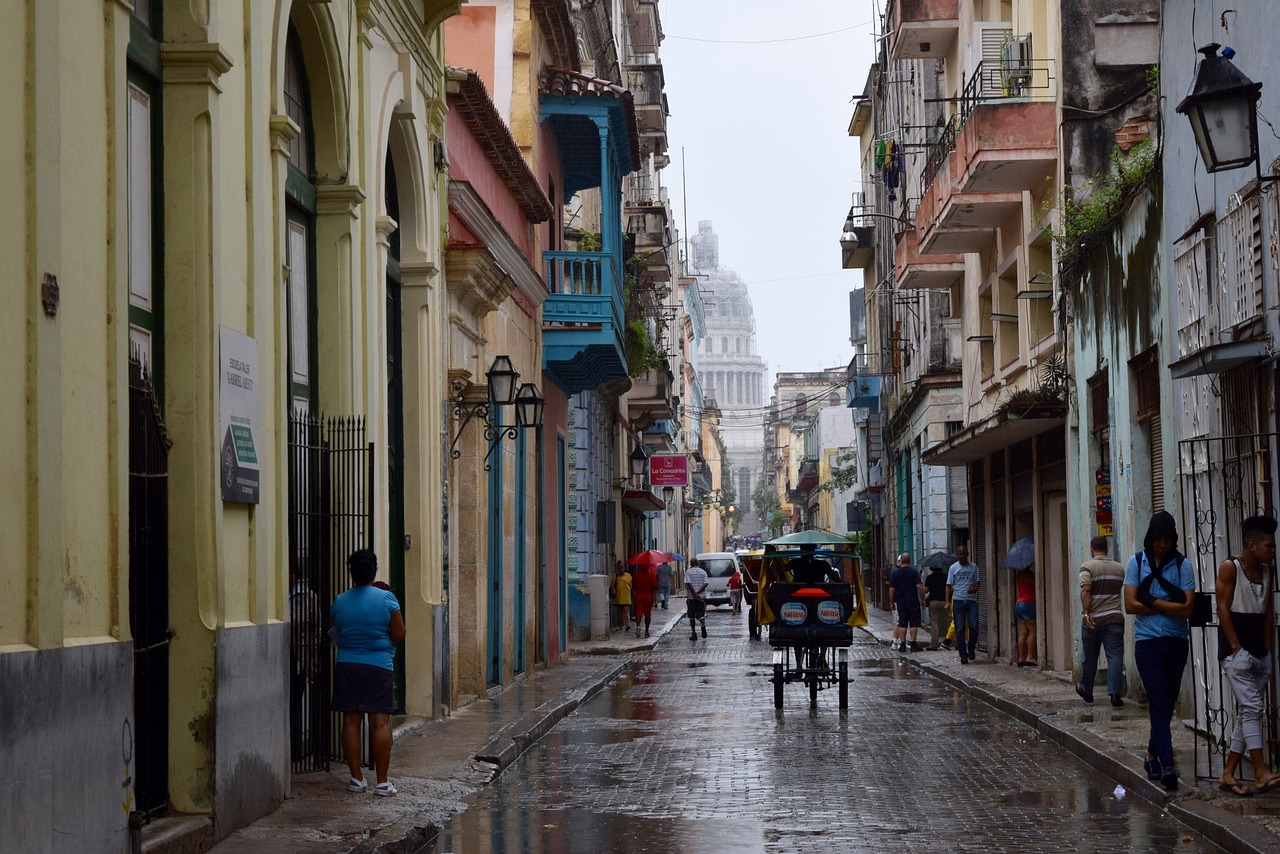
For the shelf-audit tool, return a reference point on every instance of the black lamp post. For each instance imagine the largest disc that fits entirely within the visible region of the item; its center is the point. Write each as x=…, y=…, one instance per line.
x=1223, y=110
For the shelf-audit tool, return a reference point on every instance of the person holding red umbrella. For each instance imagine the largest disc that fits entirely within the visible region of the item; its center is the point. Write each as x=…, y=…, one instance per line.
x=644, y=581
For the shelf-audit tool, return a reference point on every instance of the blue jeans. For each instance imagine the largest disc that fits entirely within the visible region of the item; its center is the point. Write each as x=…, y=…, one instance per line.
x=1161, y=662
x=964, y=612
x=664, y=595
x=1111, y=638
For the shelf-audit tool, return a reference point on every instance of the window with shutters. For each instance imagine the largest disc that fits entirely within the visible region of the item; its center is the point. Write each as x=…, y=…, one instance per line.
x=1145, y=372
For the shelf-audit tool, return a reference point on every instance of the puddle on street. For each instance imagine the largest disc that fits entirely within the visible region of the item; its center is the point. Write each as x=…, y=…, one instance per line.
x=597, y=735
x=917, y=699
x=484, y=831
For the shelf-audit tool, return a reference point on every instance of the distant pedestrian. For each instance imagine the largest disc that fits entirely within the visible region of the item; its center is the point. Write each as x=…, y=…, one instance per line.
x=644, y=581
x=695, y=584
x=735, y=590
x=963, y=582
x=665, y=572
x=935, y=599
x=1159, y=589
x=904, y=581
x=367, y=625
x=1102, y=623
x=1024, y=613
x=1245, y=616
x=622, y=598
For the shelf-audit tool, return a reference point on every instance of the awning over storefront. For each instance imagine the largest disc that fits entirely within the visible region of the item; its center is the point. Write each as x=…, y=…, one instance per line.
x=642, y=500
x=1217, y=358
x=993, y=434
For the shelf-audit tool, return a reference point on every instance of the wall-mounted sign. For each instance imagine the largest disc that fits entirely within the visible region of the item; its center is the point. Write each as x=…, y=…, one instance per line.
x=238, y=405
x=668, y=470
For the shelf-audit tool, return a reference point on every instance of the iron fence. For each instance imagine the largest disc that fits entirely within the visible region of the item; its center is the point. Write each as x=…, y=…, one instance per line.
x=330, y=515
x=1223, y=481
x=149, y=589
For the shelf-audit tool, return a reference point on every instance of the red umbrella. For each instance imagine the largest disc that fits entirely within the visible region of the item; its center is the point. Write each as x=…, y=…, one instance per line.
x=648, y=557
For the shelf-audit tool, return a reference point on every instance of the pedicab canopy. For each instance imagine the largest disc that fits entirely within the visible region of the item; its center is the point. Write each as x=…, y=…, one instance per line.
x=838, y=549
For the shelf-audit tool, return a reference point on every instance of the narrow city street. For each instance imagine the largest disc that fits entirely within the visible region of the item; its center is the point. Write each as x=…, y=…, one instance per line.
x=685, y=753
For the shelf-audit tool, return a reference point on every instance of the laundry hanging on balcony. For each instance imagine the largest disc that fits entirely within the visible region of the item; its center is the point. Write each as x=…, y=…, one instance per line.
x=890, y=163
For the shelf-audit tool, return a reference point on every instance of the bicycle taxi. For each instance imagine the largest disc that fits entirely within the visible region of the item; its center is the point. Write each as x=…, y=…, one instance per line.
x=810, y=596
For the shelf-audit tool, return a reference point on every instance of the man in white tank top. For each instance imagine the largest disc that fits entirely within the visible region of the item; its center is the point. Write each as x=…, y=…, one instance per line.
x=1244, y=594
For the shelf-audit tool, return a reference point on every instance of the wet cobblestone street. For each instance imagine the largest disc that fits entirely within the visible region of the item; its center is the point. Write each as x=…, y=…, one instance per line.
x=685, y=753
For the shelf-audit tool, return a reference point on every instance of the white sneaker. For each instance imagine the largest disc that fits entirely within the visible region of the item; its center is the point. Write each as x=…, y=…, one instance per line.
x=357, y=785
x=384, y=789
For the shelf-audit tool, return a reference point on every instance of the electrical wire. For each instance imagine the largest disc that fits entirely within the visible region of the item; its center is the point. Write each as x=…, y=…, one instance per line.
x=769, y=41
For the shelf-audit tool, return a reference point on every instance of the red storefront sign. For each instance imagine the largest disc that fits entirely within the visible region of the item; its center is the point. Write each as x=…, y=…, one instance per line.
x=668, y=470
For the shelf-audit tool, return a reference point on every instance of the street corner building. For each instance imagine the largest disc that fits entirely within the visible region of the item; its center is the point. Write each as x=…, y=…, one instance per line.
x=225, y=251
x=292, y=279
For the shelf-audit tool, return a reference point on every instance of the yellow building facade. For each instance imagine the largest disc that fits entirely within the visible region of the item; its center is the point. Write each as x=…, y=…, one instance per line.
x=206, y=189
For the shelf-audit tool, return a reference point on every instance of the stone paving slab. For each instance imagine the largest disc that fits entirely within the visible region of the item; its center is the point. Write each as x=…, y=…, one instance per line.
x=436, y=764
x=1111, y=740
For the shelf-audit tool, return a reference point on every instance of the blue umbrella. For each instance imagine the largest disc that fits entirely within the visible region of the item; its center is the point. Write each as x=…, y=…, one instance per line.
x=1022, y=554
x=675, y=556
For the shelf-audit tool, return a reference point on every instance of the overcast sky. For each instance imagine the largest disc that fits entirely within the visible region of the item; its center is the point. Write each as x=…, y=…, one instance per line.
x=767, y=156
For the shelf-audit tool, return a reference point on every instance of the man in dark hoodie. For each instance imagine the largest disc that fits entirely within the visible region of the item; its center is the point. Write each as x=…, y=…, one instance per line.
x=1159, y=585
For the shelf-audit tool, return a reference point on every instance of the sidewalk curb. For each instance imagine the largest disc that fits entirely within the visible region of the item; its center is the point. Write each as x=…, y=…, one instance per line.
x=1221, y=827
x=504, y=748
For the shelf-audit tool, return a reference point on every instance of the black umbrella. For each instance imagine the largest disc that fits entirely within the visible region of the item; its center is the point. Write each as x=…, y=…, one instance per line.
x=1022, y=554
x=938, y=560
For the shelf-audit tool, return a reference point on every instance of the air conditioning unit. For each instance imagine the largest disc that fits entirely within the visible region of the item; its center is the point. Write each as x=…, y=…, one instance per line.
x=1015, y=64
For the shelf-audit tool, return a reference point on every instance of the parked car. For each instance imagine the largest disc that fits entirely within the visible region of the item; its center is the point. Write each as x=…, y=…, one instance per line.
x=719, y=566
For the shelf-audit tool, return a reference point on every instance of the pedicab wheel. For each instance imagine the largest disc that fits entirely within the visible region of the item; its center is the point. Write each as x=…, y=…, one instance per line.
x=777, y=686
x=844, y=684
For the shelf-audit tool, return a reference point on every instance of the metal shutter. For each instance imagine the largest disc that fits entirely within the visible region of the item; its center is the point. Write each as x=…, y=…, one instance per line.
x=1155, y=441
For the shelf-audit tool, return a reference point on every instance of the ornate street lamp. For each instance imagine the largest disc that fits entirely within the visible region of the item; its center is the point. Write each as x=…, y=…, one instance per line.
x=1223, y=110
x=529, y=405
x=639, y=459
x=501, y=379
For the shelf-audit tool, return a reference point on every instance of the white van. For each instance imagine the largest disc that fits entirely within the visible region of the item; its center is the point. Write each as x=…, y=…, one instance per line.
x=718, y=566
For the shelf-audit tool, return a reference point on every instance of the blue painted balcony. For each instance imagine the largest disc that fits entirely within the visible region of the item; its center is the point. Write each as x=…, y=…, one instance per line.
x=583, y=328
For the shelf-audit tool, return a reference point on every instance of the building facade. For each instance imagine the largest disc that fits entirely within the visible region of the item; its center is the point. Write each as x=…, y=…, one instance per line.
x=732, y=370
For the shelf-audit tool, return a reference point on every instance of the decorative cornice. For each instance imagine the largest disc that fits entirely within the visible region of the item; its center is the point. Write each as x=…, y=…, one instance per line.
x=471, y=209
x=469, y=98
x=476, y=279
x=339, y=199
x=384, y=227
x=284, y=130
x=194, y=62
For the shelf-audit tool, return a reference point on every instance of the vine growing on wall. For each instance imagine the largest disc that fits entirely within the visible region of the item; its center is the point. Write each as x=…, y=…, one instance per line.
x=1088, y=213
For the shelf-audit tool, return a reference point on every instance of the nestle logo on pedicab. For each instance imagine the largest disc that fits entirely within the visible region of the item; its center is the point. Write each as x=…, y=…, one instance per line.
x=830, y=612
x=793, y=613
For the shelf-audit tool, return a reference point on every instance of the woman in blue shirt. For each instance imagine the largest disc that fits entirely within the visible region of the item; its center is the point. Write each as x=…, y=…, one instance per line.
x=367, y=625
x=1159, y=585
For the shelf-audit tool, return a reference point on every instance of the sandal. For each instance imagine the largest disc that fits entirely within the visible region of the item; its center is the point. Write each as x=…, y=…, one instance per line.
x=1271, y=784
x=1236, y=788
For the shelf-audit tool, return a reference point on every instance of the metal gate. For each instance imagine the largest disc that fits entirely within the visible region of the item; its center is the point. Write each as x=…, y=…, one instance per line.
x=1223, y=481
x=330, y=515
x=149, y=589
